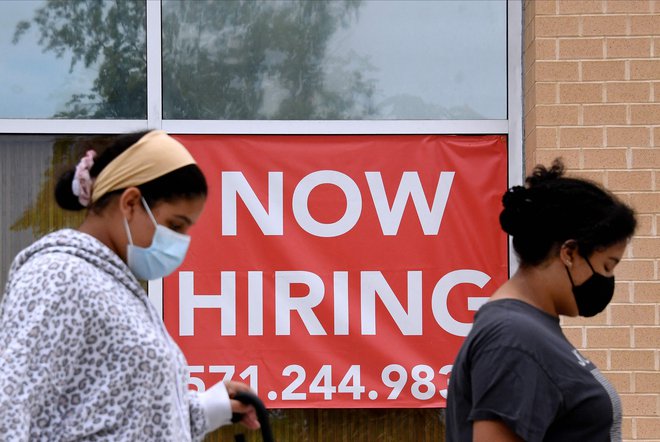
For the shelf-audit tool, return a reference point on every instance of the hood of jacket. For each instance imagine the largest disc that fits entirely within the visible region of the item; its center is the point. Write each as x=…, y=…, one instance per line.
x=85, y=247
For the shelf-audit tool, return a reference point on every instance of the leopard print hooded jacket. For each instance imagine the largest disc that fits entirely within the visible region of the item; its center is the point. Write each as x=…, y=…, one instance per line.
x=83, y=353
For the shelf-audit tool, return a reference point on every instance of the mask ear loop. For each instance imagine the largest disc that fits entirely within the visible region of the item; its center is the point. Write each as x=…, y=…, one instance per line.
x=569, y=275
x=128, y=231
x=151, y=215
x=590, y=266
x=569, y=244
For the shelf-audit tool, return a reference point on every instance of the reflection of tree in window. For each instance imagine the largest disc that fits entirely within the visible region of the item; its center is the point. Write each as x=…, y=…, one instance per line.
x=221, y=59
x=110, y=34
x=260, y=60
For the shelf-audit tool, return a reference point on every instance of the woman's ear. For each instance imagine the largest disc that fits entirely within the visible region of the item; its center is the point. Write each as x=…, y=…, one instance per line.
x=129, y=201
x=567, y=252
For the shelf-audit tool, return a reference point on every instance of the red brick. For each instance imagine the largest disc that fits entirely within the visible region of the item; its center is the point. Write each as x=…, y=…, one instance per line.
x=605, y=114
x=530, y=160
x=581, y=137
x=645, y=226
x=647, y=381
x=546, y=93
x=580, y=7
x=628, y=136
x=628, y=92
x=598, y=357
x=575, y=336
x=557, y=115
x=647, y=428
x=645, y=113
x=546, y=137
x=632, y=314
x=644, y=24
x=600, y=319
x=646, y=291
x=545, y=7
x=546, y=49
x=529, y=85
x=557, y=70
x=597, y=176
x=639, y=404
x=628, y=47
x=608, y=337
x=635, y=270
x=581, y=48
x=580, y=92
x=528, y=10
x=604, y=158
x=644, y=69
x=603, y=70
x=646, y=247
x=627, y=424
x=646, y=337
x=645, y=158
x=622, y=381
x=604, y=24
x=529, y=55
x=619, y=180
x=630, y=6
x=570, y=156
x=556, y=26
x=530, y=125
x=529, y=35
x=622, y=292
x=632, y=359
x=645, y=202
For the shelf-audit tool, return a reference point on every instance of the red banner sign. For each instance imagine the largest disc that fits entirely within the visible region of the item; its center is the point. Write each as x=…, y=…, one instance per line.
x=339, y=271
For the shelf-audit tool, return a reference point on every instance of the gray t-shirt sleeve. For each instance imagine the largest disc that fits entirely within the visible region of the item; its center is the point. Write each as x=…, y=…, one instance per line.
x=509, y=385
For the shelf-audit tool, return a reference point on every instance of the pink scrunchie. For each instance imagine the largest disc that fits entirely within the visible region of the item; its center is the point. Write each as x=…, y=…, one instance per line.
x=82, y=181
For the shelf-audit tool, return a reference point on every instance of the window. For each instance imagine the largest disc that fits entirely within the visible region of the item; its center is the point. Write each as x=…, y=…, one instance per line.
x=89, y=67
x=295, y=67
x=338, y=60
x=257, y=67
x=73, y=59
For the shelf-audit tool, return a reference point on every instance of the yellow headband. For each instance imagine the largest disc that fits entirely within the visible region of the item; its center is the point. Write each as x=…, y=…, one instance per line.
x=152, y=156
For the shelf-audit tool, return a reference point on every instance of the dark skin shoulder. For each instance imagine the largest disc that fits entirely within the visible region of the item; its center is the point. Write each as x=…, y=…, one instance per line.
x=493, y=431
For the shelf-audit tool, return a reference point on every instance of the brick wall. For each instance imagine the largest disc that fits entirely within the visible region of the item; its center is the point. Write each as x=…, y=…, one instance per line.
x=592, y=96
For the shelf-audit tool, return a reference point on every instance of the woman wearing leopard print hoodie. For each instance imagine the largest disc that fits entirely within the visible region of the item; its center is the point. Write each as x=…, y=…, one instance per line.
x=83, y=353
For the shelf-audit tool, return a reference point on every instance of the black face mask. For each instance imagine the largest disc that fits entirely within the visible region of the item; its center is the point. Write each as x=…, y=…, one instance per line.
x=593, y=295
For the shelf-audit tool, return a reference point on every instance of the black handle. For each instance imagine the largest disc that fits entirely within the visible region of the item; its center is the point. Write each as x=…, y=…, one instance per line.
x=262, y=413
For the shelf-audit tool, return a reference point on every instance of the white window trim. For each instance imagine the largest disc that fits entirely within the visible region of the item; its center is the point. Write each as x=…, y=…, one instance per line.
x=334, y=127
x=154, y=66
x=515, y=105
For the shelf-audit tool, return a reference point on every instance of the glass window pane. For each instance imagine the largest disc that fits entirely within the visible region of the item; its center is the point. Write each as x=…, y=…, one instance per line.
x=73, y=59
x=30, y=166
x=348, y=59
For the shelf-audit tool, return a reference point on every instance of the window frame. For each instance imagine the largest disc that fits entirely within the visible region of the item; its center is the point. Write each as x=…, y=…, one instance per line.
x=512, y=127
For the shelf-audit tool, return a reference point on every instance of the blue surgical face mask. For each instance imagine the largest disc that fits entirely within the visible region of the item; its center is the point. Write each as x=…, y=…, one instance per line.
x=166, y=252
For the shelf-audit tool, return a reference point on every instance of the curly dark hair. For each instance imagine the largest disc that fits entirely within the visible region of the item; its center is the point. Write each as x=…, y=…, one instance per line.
x=552, y=208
